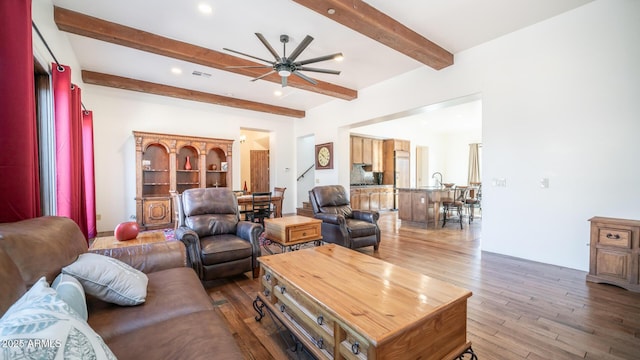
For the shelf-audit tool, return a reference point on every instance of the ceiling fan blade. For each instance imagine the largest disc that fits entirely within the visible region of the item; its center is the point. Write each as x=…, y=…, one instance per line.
x=303, y=45
x=251, y=56
x=268, y=46
x=248, y=67
x=305, y=77
x=325, y=71
x=318, y=59
x=265, y=75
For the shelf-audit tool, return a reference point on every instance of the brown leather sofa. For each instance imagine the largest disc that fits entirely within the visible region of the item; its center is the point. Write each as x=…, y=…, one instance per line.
x=218, y=243
x=177, y=320
x=341, y=224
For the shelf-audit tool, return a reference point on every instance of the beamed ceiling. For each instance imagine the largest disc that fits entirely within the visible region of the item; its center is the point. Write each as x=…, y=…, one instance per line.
x=134, y=44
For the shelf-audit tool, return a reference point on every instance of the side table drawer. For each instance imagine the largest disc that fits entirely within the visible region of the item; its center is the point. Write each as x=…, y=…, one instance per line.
x=614, y=237
x=304, y=232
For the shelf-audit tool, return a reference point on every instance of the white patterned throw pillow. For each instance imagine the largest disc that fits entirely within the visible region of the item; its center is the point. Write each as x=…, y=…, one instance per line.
x=40, y=325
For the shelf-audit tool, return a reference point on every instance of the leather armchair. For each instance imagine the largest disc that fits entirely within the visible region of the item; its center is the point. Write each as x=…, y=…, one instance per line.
x=218, y=243
x=341, y=224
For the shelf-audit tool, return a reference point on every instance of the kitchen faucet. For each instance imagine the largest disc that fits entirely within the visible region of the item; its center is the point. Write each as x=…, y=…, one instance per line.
x=438, y=182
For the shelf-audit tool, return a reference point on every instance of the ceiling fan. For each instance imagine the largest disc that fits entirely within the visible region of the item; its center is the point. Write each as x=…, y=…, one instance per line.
x=286, y=65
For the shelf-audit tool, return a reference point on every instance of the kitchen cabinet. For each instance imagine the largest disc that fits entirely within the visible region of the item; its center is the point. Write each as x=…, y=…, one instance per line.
x=368, y=151
x=367, y=148
x=377, y=155
x=371, y=197
x=356, y=150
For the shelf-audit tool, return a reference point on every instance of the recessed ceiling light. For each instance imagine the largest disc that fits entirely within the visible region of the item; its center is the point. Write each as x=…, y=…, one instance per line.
x=277, y=93
x=176, y=70
x=205, y=8
x=331, y=11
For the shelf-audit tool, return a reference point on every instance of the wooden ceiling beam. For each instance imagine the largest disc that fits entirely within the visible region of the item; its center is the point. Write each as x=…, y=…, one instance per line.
x=84, y=25
x=367, y=20
x=96, y=78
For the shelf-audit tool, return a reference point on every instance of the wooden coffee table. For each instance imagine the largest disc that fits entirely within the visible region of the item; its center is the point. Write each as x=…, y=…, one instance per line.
x=290, y=232
x=343, y=304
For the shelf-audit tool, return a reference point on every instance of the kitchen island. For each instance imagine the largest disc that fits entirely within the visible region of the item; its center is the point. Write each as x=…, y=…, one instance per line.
x=420, y=206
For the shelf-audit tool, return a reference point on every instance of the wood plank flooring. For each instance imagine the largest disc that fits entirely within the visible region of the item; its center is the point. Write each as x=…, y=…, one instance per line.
x=519, y=309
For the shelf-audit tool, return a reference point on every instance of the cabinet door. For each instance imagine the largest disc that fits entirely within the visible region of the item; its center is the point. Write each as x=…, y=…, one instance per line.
x=157, y=211
x=386, y=199
x=356, y=150
x=377, y=156
x=613, y=264
x=367, y=150
x=404, y=205
x=355, y=199
x=374, y=200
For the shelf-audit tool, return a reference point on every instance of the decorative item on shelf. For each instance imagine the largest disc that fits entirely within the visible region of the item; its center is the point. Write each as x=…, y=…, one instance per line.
x=187, y=164
x=126, y=231
x=245, y=187
x=213, y=167
x=146, y=164
x=224, y=166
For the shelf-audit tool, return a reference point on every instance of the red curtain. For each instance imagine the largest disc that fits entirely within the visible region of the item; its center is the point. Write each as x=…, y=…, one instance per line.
x=75, y=189
x=89, y=173
x=19, y=183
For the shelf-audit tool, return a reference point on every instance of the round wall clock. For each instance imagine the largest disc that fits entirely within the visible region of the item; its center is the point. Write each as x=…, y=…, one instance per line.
x=324, y=156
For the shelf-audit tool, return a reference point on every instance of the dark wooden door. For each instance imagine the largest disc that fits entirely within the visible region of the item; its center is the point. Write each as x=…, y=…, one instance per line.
x=259, y=162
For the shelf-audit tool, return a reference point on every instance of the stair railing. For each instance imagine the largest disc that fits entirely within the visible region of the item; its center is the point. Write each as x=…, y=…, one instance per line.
x=305, y=172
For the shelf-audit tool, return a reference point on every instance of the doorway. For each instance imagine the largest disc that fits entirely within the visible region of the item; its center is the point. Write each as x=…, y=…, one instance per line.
x=254, y=160
x=259, y=163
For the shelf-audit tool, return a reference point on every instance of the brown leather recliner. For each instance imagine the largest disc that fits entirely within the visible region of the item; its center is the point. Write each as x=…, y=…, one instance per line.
x=340, y=224
x=218, y=243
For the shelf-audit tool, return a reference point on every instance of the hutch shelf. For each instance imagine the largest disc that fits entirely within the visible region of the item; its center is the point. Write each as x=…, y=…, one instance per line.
x=170, y=164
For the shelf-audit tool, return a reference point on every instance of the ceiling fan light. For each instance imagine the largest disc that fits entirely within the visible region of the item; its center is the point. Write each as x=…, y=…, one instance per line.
x=284, y=72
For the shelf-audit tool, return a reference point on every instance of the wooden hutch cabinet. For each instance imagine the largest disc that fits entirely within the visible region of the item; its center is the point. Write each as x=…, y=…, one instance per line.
x=174, y=163
x=615, y=252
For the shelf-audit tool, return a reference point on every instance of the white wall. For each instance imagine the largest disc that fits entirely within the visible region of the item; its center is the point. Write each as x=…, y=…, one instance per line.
x=559, y=101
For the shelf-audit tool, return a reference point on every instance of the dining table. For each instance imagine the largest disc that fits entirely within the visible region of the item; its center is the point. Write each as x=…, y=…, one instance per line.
x=245, y=202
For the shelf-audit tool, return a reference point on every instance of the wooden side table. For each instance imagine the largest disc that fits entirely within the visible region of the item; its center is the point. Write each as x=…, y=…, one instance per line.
x=110, y=242
x=149, y=251
x=290, y=232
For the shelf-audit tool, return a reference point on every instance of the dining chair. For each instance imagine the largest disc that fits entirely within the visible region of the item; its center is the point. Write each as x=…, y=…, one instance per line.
x=277, y=207
x=454, y=202
x=473, y=199
x=243, y=210
x=260, y=207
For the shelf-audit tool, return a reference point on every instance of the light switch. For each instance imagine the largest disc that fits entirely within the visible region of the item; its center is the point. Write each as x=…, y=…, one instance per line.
x=544, y=183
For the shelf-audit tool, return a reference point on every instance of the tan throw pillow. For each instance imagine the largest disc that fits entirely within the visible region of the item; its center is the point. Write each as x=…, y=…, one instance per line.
x=109, y=279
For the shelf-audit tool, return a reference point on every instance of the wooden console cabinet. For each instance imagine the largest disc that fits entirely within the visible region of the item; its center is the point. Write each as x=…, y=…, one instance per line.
x=615, y=252
x=174, y=163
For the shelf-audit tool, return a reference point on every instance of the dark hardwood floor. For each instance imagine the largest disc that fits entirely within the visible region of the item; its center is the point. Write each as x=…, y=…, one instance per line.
x=519, y=309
